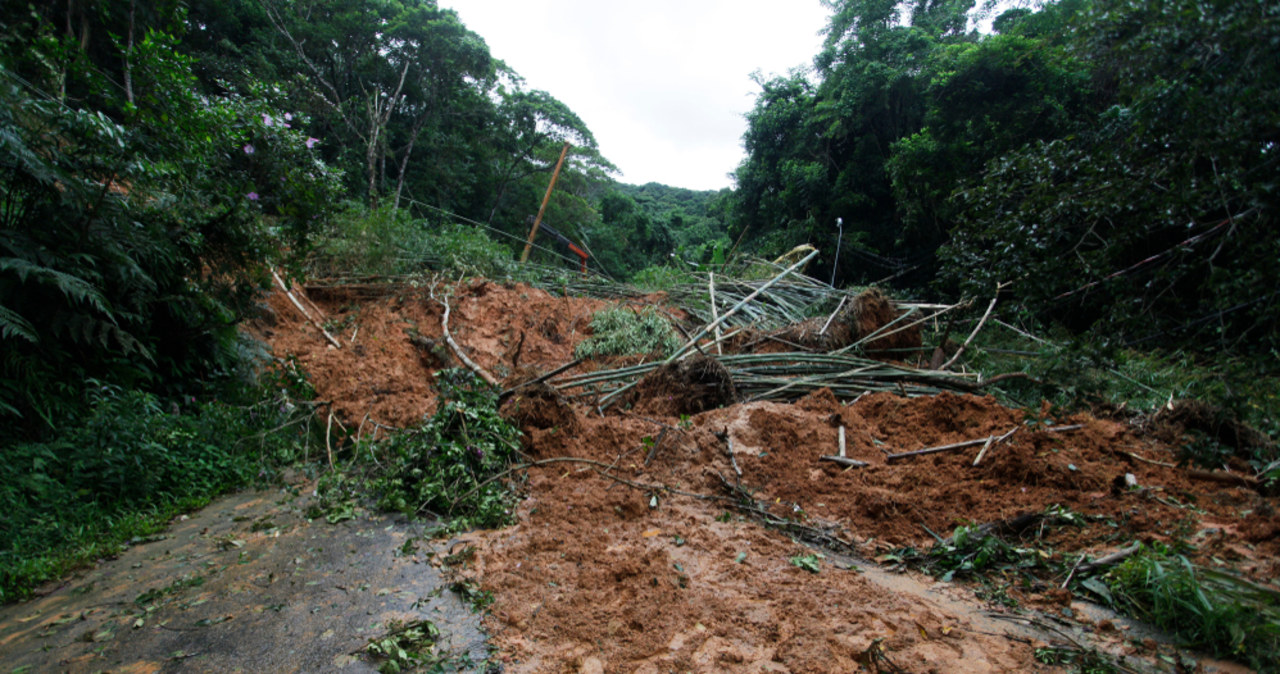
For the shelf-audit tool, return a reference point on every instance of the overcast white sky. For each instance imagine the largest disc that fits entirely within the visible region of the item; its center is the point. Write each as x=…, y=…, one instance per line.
x=662, y=84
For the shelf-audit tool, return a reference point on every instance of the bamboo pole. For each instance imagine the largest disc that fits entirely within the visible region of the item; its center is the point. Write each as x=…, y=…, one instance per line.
x=716, y=323
x=711, y=285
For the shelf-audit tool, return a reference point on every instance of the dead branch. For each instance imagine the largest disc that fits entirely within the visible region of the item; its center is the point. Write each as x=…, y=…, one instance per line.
x=844, y=461
x=978, y=327
x=457, y=350
x=1110, y=560
x=302, y=310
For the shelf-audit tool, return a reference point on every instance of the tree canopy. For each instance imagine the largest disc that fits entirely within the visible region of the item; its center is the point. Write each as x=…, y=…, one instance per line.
x=1114, y=159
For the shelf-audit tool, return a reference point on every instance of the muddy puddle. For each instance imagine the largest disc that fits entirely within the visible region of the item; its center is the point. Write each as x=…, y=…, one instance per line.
x=248, y=584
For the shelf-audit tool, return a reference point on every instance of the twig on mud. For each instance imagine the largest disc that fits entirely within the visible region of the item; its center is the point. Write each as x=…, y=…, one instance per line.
x=732, y=459
x=653, y=451
x=327, y=432
x=745, y=502
x=457, y=350
x=1151, y=461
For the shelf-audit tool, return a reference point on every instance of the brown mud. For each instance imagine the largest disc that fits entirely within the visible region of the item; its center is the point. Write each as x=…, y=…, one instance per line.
x=648, y=567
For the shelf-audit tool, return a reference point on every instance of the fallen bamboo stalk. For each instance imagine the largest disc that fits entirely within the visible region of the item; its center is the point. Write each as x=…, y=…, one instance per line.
x=717, y=322
x=711, y=287
x=563, y=368
x=835, y=313
x=940, y=448
x=978, y=459
x=953, y=446
x=841, y=442
x=845, y=461
x=303, y=310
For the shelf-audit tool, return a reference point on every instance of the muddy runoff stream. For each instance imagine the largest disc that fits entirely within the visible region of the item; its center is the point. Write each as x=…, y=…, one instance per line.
x=248, y=584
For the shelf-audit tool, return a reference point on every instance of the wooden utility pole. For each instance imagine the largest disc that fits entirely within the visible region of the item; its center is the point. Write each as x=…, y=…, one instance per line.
x=533, y=233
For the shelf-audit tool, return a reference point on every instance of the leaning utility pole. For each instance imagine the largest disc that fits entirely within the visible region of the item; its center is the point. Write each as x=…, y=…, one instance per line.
x=533, y=233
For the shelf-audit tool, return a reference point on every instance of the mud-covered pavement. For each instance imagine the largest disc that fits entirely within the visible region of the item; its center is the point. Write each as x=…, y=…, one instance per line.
x=632, y=550
x=248, y=584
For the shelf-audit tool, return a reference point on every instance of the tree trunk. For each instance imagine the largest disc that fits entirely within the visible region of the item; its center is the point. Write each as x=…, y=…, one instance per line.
x=128, y=56
x=404, y=160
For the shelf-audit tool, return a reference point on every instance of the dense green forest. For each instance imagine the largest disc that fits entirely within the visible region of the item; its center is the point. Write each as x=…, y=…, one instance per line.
x=1113, y=161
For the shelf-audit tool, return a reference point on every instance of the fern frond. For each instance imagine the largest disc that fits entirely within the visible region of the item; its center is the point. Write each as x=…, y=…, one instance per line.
x=12, y=324
x=72, y=287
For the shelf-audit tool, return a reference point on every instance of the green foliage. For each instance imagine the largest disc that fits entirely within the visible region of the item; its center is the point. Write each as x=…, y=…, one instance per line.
x=448, y=465
x=971, y=551
x=468, y=250
x=120, y=471
x=407, y=646
x=811, y=562
x=1207, y=609
x=1077, y=659
x=619, y=331
x=392, y=242
x=1124, y=228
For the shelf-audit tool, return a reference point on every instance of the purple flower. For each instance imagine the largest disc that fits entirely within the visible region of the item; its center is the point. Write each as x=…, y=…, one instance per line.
x=249, y=149
x=252, y=196
x=311, y=142
x=266, y=120
x=288, y=117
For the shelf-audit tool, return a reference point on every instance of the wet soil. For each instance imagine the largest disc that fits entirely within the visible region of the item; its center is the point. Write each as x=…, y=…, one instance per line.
x=646, y=566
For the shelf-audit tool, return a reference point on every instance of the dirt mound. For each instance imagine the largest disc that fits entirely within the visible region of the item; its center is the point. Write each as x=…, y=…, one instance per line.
x=392, y=345
x=864, y=315
x=536, y=409
x=695, y=384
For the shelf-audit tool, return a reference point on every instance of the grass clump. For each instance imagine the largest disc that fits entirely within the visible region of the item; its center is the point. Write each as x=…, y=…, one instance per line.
x=618, y=331
x=1220, y=613
x=447, y=465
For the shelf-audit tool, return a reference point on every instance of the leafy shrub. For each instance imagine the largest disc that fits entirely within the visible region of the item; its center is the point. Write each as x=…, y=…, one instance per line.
x=1208, y=609
x=360, y=241
x=617, y=331
x=468, y=250
x=446, y=465
x=390, y=242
